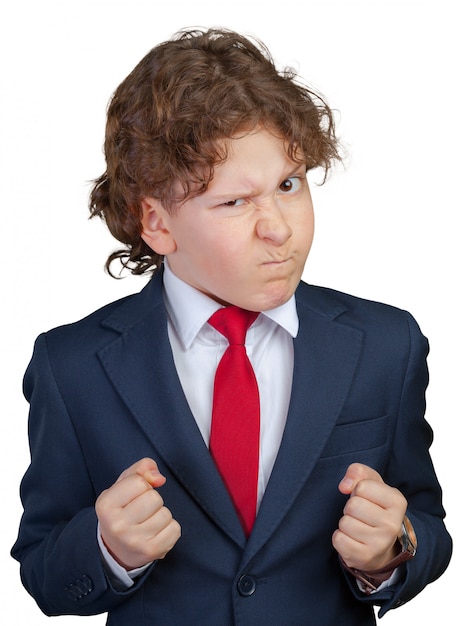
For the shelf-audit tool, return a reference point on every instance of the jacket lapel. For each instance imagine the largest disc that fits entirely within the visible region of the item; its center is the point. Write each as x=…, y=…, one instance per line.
x=140, y=365
x=325, y=358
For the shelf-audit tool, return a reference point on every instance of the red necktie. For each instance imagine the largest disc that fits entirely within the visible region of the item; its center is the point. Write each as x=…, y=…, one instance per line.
x=234, y=442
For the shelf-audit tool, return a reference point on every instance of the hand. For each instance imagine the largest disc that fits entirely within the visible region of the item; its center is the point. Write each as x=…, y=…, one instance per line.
x=367, y=534
x=135, y=525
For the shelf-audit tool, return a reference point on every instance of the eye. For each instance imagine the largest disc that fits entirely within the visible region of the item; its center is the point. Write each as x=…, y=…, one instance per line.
x=291, y=184
x=232, y=203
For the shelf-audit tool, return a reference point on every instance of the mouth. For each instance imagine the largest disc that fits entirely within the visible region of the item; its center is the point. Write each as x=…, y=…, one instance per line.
x=276, y=262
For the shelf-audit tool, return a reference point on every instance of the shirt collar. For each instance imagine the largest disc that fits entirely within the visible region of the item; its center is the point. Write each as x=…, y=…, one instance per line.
x=189, y=309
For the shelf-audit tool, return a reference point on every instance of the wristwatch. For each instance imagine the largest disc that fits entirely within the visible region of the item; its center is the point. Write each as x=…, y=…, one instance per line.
x=371, y=579
x=407, y=540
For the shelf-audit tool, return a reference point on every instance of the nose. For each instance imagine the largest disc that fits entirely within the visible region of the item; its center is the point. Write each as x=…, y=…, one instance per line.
x=272, y=225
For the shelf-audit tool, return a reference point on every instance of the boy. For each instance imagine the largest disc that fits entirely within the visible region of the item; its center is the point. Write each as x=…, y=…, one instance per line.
x=129, y=506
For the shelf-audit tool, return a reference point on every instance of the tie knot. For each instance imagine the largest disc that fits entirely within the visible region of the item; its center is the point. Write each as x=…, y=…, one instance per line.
x=233, y=323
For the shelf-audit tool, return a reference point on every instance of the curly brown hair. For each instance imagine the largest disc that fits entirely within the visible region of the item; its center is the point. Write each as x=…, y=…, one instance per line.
x=167, y=122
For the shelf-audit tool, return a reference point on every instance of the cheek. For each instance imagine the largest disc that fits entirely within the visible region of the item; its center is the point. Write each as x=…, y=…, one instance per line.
x=310, y=237
x=309, y=225
x=303, y=230
x=228, y=245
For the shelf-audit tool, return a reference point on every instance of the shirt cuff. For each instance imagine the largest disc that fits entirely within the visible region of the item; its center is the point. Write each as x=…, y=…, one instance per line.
x=394, y=577
x=120, y=578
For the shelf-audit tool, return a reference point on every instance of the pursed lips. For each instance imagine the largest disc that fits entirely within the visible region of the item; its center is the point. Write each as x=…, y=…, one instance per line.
x=276, y=261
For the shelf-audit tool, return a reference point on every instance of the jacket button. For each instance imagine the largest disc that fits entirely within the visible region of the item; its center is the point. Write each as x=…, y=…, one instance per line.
x=246, y=585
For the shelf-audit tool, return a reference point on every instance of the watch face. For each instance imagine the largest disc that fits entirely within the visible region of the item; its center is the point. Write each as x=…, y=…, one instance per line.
x=408, y=538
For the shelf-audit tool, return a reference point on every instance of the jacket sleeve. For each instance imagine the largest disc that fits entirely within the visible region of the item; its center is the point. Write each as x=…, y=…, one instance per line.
x=410, y=469
x=57, y=545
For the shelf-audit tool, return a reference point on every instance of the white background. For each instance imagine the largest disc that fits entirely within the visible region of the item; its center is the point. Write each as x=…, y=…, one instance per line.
x=388, y=224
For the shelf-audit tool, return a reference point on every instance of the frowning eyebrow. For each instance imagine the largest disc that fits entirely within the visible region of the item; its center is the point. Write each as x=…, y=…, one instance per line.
x=242, y=190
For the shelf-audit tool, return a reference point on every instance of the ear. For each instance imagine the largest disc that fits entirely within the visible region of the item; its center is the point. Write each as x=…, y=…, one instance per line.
x=155, y=222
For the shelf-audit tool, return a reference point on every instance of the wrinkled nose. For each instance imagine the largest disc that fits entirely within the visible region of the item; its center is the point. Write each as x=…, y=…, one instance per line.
x=273, y=226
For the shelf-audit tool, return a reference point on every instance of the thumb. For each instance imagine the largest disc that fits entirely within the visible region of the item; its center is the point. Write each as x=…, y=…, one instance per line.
x=354, y=474
x=148, y=469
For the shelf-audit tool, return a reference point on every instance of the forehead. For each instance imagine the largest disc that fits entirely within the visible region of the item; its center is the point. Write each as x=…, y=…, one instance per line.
x=255, y=154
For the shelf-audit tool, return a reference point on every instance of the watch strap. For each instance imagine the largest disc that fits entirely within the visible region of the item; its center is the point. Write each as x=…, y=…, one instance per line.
x=372, y=579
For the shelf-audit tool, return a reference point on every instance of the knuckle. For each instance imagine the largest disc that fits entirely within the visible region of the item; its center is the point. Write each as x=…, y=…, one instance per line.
x=353, y=504
x=347, y=526
x=103, y=507
x=132, y=543
x=177, y=528
x=157, y=498
x=102, y=499
x=175, y=532
x=139, y=482
x=361, y=488
x=165, y=516
x=336, y=539
x=169, y=538
x=401, y=500
x=117, y=527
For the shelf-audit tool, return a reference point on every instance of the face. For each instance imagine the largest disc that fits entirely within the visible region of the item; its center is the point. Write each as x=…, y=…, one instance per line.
x=246, y=239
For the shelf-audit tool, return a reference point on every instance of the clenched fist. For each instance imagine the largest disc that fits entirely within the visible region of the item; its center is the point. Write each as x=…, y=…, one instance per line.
x=135, y=525
x=367, y=534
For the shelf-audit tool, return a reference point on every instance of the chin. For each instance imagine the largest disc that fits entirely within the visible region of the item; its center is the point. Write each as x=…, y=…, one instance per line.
x=263, y=301
x=279, y=296
x=274, y=302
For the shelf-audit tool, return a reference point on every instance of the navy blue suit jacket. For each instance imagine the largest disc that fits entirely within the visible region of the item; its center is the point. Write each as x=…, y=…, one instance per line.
x=104, y=393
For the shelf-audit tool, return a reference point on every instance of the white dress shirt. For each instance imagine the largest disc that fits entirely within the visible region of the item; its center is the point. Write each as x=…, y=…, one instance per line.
x=197, y=348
